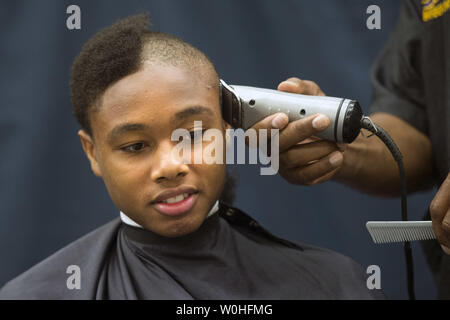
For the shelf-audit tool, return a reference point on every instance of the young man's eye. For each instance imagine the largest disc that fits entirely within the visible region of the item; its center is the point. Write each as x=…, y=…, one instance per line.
x=136, y=147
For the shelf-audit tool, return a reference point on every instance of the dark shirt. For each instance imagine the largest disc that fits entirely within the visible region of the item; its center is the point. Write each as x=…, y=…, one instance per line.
x=229, y=257
x=411, y=80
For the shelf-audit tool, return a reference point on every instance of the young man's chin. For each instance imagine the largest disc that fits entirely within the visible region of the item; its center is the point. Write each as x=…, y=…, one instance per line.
x=182, y=227
x=176, y=226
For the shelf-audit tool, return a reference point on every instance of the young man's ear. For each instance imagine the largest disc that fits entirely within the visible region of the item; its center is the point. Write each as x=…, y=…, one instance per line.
x=89, y=149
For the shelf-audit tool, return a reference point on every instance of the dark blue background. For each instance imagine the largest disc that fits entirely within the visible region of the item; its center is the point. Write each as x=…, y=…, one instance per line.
x=48, y=195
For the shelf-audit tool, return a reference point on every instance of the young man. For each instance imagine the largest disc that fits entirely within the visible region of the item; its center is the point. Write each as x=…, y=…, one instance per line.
x=131, y=88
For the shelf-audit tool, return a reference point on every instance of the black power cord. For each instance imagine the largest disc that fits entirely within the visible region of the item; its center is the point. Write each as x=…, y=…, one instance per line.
x=368, y=124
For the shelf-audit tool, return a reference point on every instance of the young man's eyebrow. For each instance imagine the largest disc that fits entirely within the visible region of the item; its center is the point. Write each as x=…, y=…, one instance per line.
x=191, y=111
x=126, y=127
x=179, y=116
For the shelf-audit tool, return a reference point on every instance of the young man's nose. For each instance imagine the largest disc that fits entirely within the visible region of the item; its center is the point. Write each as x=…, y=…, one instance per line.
x=166, y=166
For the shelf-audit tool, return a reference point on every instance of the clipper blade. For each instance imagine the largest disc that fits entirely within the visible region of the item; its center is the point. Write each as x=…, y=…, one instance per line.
x=400, y=231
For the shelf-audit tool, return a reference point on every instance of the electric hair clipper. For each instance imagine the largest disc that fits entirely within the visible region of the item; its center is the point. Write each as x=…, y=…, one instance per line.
x=242, y=107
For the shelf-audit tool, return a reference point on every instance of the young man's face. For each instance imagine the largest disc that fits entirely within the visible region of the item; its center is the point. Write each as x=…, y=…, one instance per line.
x=132, y=147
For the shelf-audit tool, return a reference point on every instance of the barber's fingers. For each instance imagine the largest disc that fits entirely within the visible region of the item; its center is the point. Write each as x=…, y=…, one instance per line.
x=280, y=120
x=325, y=177
x=441, y=202
x=296, y=85
x=302, y=154
x=293, y=132
x=275, y=121
x=442, y=233
x=314, y=173
x=440, y=214
x=445, y=249
x=293, y=85
x=299, y=130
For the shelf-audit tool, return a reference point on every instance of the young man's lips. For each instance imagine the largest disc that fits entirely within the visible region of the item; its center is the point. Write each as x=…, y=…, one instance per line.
x=169, y=193
x=176, y=208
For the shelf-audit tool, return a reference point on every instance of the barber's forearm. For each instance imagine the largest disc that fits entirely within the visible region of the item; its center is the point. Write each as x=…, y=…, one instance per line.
x=369, y=167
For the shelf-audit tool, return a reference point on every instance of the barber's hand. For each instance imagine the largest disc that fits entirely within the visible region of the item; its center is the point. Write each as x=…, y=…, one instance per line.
x=304, y=159
x=440, y=215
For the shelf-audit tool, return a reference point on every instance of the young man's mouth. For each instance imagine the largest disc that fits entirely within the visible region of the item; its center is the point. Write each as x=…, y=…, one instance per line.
x=174, y=202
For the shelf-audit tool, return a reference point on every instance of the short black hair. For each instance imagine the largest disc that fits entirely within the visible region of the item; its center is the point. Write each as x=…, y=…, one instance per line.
x=119, y=50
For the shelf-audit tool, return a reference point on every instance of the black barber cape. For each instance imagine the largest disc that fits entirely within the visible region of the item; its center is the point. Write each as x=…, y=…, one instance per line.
x=229, y=257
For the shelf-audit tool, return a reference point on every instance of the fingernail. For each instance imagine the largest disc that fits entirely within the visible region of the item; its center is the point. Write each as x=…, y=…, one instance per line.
x=289, y=82
x=292, y=83
x=278, y=121
x=342, y=146
x=320, y=122
x=336, y=159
